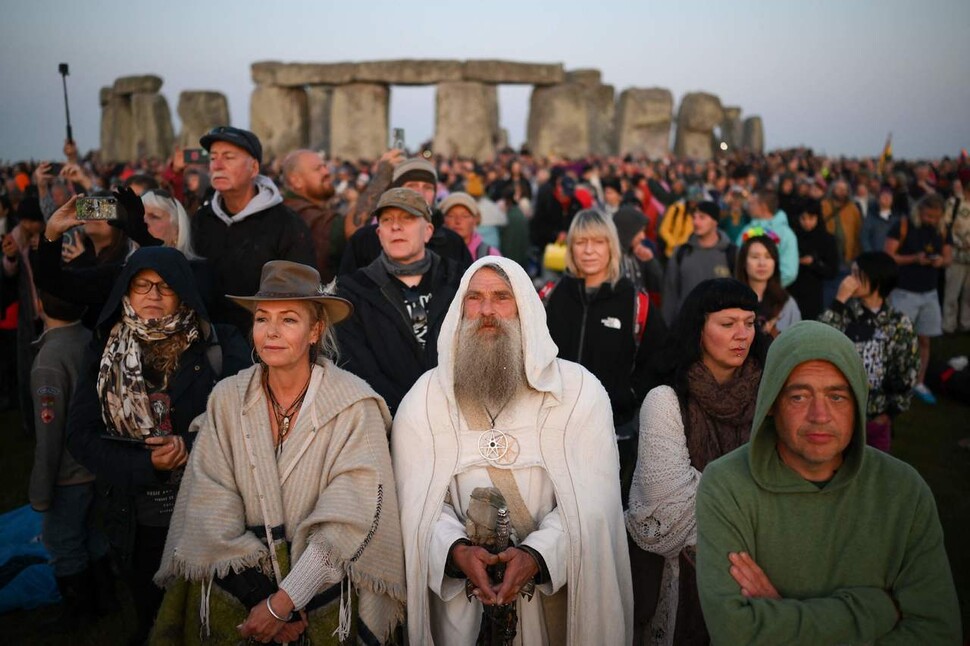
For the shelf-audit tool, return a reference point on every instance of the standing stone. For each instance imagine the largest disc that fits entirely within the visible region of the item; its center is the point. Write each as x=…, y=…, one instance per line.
x=559, y=121
x=589, y=77
x=359, y=121
x=116, y=129
x=153, y=135
x=699, y=114
x=643, y=122
x=278, y=116
x=466, y=119
x=731, y=128
x=199, y=113
x=146, y=84
x=754, y=135
x=104, y=96
x=602, y=119
x=319, y=100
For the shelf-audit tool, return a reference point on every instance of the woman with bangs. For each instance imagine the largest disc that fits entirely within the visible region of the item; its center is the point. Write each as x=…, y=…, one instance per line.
x=757, y=267
x=599, y=319
x=711, y=370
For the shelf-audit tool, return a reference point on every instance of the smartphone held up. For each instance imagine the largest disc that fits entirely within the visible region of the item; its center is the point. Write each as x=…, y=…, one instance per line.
x=97, y=208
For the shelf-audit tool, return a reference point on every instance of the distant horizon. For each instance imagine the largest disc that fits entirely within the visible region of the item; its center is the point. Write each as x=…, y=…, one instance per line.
x=835, y=77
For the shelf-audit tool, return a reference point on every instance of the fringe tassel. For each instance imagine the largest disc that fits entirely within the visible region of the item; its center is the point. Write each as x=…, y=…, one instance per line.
x=204, y=610
x=345, y=618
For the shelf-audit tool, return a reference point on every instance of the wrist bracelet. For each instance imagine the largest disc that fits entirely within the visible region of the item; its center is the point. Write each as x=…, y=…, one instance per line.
x=269, y=607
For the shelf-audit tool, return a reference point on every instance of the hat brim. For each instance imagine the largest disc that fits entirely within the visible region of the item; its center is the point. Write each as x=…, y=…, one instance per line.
x=338, y=309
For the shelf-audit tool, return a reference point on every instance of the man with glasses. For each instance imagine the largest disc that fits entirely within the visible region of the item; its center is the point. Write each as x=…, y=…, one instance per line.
x=400, y=299
x=245, y=224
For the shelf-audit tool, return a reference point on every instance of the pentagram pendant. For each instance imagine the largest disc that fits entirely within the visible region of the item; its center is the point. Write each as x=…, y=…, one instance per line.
x=493, y=445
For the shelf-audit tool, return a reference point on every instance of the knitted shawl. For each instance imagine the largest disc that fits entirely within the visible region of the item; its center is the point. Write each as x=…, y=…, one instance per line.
x=332, y=485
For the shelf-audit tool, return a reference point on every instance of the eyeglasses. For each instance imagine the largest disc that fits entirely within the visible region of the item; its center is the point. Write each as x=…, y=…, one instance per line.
x=412, y=299
x=144, y=286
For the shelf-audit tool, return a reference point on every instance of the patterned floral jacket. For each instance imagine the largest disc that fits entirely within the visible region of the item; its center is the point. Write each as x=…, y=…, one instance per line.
x=887, y=343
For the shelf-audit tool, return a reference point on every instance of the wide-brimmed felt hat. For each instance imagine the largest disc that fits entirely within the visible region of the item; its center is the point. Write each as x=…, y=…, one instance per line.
x=283, y=280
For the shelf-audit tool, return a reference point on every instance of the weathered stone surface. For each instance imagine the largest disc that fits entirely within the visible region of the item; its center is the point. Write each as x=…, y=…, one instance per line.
x=408, y=72
x=699, y=113
x=152, y=134
x=319, y=100
x=602, y=113
x=589, y=77
x=643, y=122
x=559, y=121
x=300, y=74
x=753, y=138
x=731, y=127
x=510, y=72
x=278, y=116
x=199, y=112
x=466, y=119
x=142, y=84
x=104, y=96
x=116, y=129
x=359, y=121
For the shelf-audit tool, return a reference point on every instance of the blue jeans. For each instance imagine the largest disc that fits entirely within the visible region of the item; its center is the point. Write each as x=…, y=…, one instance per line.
x=70, y=532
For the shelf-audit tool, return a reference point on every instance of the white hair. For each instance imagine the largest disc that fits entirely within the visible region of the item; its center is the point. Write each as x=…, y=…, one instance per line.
x=179, y=218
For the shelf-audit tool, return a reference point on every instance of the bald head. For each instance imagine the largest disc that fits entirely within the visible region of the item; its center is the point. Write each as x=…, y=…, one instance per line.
x=307, y=175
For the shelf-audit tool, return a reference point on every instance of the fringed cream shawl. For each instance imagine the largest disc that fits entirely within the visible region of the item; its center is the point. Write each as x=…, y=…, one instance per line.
x=332, y=485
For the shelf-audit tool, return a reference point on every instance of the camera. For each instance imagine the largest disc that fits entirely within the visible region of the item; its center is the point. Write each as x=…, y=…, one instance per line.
x=97, y=208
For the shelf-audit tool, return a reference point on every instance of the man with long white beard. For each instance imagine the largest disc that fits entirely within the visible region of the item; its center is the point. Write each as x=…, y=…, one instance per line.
x=502, y=411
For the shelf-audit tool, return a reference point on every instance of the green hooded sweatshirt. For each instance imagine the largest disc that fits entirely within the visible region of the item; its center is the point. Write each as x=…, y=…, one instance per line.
x=835, y=553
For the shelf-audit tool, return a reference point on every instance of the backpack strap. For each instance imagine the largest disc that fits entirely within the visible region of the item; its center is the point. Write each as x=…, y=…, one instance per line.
x=213, y=354
x=641, y=308
x=482, y=250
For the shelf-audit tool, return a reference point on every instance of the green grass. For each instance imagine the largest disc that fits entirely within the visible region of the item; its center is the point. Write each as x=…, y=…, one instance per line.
x=925, y=436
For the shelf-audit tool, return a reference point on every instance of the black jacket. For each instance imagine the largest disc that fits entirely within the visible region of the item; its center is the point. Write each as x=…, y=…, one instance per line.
x=377, y=342
x=126, y=468
x=237, y=253
x=549, y=218
x=364, y=246
x=807, y=288
x=597, y=332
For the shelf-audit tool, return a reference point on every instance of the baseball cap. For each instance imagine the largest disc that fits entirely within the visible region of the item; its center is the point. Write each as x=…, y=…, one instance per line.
x=465, y=200
x=235, y=136
x=405, y=199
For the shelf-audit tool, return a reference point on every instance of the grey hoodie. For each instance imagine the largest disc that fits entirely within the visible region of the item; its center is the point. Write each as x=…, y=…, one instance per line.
x=690, y=265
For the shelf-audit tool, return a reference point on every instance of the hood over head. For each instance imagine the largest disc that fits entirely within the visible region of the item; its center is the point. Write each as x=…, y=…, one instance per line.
x=539, y=351
x=174, y=269
x=805, y=341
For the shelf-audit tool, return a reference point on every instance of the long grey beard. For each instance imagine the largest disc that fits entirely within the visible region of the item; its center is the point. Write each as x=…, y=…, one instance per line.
x=489, y=369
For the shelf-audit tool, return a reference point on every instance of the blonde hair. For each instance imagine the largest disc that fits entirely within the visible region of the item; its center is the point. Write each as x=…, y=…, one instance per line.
x=175, y=210
x=593, y=223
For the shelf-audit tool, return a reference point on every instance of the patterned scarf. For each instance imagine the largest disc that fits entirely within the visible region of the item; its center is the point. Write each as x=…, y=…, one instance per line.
x=719, y=415
x=125, y=406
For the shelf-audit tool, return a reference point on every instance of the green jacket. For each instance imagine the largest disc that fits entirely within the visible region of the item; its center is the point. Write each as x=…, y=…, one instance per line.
x=839, y=555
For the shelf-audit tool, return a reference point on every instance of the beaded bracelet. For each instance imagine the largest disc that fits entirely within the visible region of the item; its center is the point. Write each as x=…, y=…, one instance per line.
x=269, y=607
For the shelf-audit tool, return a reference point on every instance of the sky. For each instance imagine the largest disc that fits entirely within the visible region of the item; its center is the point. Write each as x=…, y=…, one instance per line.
x=834, y=75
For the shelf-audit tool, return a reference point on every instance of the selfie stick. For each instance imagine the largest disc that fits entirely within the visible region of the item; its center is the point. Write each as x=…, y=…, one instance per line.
x=62, y=68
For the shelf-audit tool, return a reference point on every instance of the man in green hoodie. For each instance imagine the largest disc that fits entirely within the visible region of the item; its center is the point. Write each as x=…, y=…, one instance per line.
x=808, y=536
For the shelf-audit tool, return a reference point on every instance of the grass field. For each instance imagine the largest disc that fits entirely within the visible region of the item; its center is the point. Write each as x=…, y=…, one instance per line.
x=925, y=437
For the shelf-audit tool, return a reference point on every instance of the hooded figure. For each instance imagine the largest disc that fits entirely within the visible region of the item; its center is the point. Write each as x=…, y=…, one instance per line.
x=563, y=469
x=145, y=381
x=858, y=557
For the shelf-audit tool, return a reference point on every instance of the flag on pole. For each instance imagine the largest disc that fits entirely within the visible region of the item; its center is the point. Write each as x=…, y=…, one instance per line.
x=887, y=153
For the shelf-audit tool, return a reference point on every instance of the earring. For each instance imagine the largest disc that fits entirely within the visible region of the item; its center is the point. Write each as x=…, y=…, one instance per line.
x=255, y=357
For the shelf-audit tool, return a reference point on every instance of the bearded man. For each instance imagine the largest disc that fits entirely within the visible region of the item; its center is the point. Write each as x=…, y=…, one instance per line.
x=502, y=411
x=309, y=188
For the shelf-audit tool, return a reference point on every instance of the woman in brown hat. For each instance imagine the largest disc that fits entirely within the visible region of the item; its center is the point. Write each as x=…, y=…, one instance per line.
x=288, y=503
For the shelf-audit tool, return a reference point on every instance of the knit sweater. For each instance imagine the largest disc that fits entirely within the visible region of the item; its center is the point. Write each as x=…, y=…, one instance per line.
x=840, y=555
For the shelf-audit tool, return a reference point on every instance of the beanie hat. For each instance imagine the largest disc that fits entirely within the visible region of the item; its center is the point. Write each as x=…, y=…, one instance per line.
x=462, y=199
x=709, y=209
x=629, y=221
x=416, y=169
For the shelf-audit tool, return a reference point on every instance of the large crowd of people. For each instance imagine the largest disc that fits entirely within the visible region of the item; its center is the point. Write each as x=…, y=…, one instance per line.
x=518, y=400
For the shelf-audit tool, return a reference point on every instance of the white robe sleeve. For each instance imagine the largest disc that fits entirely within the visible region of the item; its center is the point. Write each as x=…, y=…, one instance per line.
x=661, y=517
x=447, y=530
x=549, y=540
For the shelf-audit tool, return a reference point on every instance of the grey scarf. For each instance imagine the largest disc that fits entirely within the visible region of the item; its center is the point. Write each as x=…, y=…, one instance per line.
x=416, y=268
